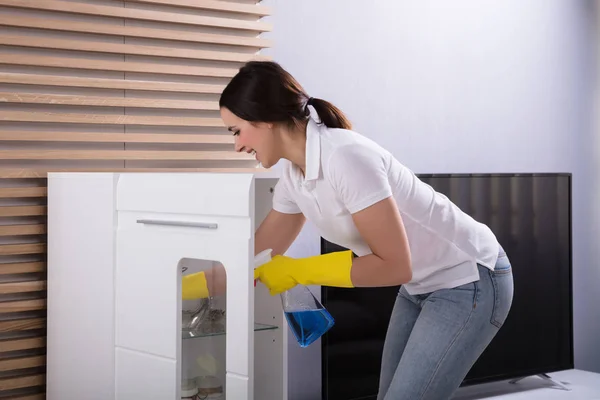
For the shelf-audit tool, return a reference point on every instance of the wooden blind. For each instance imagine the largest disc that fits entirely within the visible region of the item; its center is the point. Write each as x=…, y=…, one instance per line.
x=102, y=85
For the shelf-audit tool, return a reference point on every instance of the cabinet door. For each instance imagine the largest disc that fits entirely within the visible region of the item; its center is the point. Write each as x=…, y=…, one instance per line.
x=150, y=261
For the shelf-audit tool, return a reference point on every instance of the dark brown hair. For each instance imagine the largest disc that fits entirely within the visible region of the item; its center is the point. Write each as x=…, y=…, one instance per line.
x=262, y=91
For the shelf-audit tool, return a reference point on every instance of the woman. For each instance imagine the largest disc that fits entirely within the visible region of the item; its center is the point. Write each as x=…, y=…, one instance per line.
x=456, y=280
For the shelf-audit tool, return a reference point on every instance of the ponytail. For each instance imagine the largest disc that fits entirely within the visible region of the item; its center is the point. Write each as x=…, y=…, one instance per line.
x=330, y=115
x=262, y=91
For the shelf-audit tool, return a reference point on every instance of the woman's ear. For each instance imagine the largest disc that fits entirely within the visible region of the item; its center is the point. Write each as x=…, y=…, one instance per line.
x=262, y=125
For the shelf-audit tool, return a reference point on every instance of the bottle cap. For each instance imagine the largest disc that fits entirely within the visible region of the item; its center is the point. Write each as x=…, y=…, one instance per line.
x=262, y=258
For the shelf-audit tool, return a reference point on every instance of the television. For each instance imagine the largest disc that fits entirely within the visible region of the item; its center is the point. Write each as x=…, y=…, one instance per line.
x=531, y=216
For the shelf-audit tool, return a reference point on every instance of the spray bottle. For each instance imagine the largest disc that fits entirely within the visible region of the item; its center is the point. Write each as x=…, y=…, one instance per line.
x=306, y=316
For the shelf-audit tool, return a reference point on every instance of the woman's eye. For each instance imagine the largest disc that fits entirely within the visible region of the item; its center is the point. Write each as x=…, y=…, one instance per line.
x=236, y=133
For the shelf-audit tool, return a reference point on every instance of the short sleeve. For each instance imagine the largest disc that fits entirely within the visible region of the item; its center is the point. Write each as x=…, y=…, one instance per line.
x=359, y=175
x=283, y=200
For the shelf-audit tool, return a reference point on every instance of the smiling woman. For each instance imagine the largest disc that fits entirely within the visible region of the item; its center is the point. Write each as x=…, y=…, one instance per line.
x=360, y=197
x=266, y=110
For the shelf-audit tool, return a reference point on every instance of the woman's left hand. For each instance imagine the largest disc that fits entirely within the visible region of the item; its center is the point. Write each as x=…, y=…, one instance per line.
x=277, y=274
x=283, y=273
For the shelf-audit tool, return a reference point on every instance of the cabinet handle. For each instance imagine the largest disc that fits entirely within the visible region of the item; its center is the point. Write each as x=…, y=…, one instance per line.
x=204, y=225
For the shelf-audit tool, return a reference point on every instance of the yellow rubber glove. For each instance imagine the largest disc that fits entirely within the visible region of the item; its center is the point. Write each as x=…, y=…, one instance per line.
x=283, y=273
x=194, y=286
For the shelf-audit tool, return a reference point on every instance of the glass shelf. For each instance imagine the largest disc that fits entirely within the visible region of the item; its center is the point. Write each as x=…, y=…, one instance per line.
x=217, y=329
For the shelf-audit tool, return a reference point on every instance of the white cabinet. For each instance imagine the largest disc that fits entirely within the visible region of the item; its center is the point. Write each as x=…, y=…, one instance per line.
x=118, y=245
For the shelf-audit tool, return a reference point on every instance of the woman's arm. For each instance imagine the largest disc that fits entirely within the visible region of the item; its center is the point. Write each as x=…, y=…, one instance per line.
x=278, y=231
x=389, y=264
x=381, y=227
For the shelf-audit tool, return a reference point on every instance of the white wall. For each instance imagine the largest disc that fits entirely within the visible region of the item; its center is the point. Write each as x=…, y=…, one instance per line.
x=463, y=86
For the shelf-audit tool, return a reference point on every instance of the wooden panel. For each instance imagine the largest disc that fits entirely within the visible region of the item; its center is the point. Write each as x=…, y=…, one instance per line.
x=18, y=249
x=12, y=192
x=121, y=155
x=22, y=287
x=8, y=364
x=213, y=5
x=22, y=305
x=101, y=65
x=20, y=230
x=142, y=15
x=68, y=81
x=132, y=31
x=24, y=116
x=172, y=50
x=22, y=382
x=22, y=267
x=22, y=211
x=22, y=324
x=97, y=101
x=22, y=344
x=117, y=48
x=95, y=137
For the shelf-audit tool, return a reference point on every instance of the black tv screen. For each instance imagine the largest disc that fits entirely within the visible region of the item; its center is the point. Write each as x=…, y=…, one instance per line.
x=531, y=216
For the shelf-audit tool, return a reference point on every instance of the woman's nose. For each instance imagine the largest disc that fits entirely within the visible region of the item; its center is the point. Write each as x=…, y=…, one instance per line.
x=239, y=147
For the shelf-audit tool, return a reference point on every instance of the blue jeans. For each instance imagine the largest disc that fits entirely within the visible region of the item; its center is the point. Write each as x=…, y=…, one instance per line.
x=434, y=339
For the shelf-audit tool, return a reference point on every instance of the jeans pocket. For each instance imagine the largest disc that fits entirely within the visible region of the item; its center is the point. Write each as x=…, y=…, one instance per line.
x=502, y=280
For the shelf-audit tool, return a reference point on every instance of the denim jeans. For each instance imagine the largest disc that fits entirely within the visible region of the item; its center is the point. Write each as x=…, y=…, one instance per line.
x=434, y=339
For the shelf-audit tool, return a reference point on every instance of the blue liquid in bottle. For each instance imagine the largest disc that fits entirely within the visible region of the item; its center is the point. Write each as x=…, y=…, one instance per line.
x=306, y=316
x=309, y=325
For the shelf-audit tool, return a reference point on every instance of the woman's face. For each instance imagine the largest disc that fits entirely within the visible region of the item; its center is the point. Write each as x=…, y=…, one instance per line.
x=257, y=138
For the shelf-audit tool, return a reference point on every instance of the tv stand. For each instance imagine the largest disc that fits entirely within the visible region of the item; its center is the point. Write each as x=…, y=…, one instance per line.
x=546, y=377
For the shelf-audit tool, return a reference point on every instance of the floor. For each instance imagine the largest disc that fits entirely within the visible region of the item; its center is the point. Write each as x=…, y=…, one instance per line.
x=583, y=386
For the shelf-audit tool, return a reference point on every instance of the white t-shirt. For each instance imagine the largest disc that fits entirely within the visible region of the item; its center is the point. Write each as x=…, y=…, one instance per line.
x=347, y=172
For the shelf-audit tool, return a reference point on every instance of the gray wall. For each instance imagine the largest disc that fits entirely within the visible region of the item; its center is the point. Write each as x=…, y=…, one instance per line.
x=462, y=86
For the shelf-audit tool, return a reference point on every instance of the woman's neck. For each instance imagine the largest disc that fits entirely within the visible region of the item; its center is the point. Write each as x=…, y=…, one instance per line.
x=294, y=146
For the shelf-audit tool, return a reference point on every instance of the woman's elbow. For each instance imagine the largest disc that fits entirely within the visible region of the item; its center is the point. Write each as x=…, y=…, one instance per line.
x=402, y=272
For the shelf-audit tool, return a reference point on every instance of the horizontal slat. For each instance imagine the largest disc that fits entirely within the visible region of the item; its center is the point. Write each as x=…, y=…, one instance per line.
x=15, y=250
x=12, y=192
x=94, y=137
x=39, y=396
x=213, y=5
x=142, y=15
x=22, y=267
x=20, y=230
x=100, y=65
x=20, y=173
x=22, y=324
x=71, y=81
x=22, y=344
x=152, y=155
x=22, y=211
x=22, y=287
x=24, y=116
x=97, y=101
x=132, y=31
x=22, y=305
x=8, y=364
x=22, y=382
x=118, y=48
